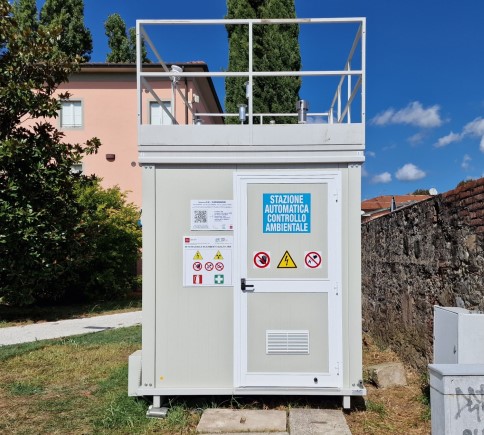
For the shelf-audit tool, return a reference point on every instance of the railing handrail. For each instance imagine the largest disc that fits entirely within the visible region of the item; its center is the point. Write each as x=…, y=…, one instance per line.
x=342, y=112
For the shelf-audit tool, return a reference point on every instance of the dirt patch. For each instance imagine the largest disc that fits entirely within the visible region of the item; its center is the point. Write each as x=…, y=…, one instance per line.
x=393, y=410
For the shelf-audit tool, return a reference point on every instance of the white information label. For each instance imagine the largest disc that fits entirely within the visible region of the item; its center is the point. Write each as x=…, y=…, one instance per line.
x=211, y=215
x=207, y=261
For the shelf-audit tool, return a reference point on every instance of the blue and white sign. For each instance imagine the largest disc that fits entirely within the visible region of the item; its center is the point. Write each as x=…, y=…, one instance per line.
x=286, y=212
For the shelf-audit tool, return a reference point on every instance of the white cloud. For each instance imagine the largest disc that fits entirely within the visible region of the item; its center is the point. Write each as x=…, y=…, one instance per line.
x=466, y=162
x=474, y=128
x=417, y=138
x=446, y=140
x=383, y=178
x=316, y=120
x=364, y=172
x=409, y=172
x=384, y=117
x=389, y=147
x=414, y=114
x=371, y=154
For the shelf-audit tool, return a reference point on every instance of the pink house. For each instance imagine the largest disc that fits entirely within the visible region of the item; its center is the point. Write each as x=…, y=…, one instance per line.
x=103, y=104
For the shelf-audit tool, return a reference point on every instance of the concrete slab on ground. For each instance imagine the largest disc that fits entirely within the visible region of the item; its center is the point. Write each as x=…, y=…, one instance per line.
x=317, y=421
x=65, y=328
x=220, y=421
x=270, y=422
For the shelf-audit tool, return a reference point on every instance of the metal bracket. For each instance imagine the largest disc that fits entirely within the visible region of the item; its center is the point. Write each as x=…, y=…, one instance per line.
x=157, y=412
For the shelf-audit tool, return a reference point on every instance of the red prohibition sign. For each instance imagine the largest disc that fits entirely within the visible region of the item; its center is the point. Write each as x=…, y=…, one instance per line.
x=313, y=260
x=262, y=260
x=209, y=266
x=219, y=266
x=197, y=266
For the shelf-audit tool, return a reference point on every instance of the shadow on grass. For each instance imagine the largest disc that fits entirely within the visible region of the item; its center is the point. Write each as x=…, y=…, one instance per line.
x=254, y=402
x=51, y=313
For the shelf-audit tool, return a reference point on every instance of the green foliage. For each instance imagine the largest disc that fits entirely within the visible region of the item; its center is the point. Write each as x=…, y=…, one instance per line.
x=424, y=397
x=464, y=182
x=276, y=48
x=421, y=192
x=68, y=15
x=61, y=235
x=117, y=40
x=111, y=242
x=122, y=44
x=25, y=12
x=39, y=212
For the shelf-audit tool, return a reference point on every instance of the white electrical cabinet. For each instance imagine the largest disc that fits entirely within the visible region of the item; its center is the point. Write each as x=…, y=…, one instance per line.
x=458, y=336
x=252, y=242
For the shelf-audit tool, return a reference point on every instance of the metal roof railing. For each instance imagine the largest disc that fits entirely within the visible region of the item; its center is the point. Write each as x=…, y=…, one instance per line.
x=351, y=84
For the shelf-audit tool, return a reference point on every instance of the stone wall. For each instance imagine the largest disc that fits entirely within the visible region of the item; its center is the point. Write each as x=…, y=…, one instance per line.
x=431, y=253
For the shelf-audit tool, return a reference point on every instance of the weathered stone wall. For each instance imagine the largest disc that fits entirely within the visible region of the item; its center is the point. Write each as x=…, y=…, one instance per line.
x=431, y=253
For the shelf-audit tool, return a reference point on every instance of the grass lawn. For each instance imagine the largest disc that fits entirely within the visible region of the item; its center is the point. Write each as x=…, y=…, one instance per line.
x=78, y=385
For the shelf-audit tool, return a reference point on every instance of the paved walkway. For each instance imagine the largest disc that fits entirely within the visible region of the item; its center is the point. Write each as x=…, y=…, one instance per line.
x=66, y=328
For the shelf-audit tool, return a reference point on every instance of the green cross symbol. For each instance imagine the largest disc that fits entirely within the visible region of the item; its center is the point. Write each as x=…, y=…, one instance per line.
x=219, y=279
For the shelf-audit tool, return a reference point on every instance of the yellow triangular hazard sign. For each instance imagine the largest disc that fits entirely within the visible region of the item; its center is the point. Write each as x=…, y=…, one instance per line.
x=198, y=256
x=286, y=262
x=218, y=256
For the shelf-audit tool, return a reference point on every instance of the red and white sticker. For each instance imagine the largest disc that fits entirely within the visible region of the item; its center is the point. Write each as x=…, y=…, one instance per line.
x=197, y=279
x=219, y=266
x=208, y=266
x=197, y=266
x=262, y=260
x=312, y=260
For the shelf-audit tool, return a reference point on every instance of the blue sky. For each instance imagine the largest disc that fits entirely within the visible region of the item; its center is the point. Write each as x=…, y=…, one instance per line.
x=425, y=79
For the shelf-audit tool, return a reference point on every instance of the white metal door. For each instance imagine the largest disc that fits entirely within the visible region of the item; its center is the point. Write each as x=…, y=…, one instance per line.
x=288, y=312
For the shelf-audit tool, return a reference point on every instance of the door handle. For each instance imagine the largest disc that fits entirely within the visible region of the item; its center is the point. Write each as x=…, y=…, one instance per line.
x=245, y=287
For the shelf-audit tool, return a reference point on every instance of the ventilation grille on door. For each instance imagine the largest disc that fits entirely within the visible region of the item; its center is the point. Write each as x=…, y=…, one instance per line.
x=287, y=342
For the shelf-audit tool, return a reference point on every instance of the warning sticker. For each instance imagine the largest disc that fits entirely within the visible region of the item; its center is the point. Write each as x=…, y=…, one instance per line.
x=312, y=260
x=262, y=260
x=286, y=262
x=198, y=268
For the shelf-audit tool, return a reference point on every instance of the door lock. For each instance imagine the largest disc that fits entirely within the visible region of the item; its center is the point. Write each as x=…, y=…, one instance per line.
x=246, y=287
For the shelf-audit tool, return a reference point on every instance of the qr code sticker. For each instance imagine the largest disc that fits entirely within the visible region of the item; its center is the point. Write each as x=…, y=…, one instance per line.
x=200, y=216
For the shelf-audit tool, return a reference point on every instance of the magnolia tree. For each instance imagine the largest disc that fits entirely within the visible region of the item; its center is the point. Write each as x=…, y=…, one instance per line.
x=47, y=244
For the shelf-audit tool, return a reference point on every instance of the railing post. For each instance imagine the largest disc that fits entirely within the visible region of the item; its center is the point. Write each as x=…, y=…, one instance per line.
x=251, y=79
x=138, y=71
x=339, y=104
x=348, y=115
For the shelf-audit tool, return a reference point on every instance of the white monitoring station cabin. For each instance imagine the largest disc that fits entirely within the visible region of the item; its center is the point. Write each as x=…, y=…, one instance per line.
x=251, y=230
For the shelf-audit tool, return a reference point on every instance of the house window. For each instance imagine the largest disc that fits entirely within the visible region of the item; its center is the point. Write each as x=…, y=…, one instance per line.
x=157, y=115
x=71, y=114
x=76, y=168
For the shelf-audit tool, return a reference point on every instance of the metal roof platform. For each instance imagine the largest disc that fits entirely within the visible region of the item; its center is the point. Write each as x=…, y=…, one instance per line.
x=336, y=133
